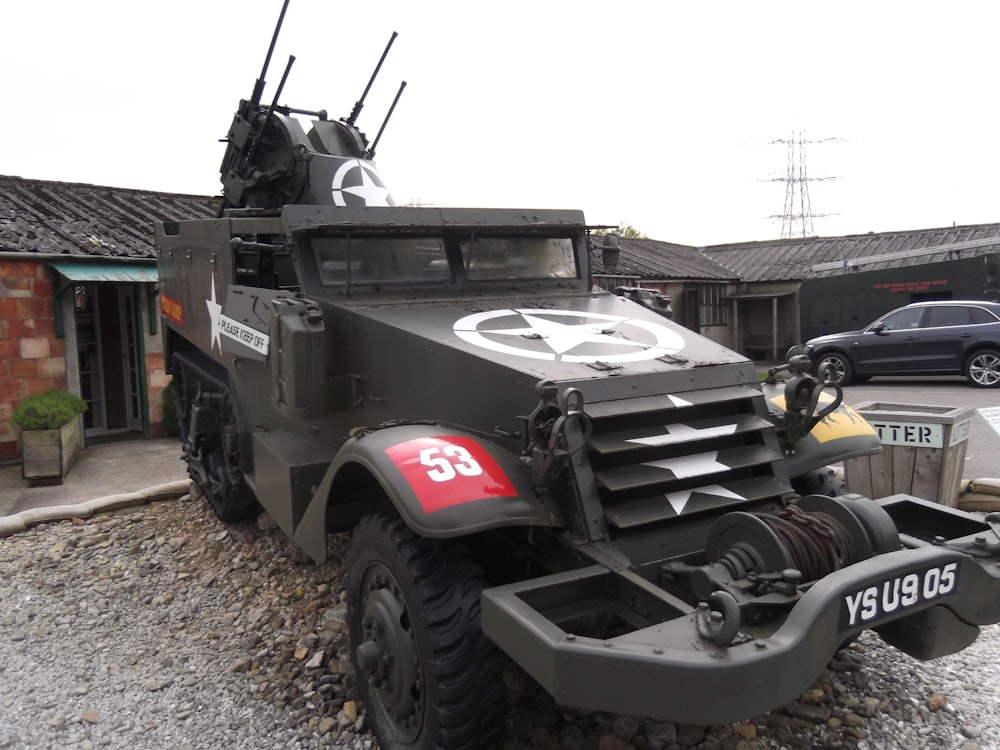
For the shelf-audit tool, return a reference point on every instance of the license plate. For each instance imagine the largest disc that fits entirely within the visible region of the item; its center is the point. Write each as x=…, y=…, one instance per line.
x=869, y=605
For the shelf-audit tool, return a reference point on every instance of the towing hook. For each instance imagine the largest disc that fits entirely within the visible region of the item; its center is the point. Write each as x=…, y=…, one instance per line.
x=718, y=619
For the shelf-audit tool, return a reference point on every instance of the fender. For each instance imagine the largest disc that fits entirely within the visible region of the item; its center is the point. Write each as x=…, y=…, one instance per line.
x=443, y=483
x=842, y=434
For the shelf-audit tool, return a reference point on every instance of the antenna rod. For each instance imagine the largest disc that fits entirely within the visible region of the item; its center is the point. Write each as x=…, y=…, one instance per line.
x=258, y=87
x=371, y=151
x=361, y=102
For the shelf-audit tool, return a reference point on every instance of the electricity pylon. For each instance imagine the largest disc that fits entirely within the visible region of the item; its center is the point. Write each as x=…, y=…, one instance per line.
x=796, y=219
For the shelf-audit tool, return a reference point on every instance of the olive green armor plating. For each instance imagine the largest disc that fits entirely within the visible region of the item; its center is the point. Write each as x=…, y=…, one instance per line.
x=527, y=463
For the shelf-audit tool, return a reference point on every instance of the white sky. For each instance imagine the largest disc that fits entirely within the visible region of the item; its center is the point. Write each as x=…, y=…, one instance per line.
x=657, y=114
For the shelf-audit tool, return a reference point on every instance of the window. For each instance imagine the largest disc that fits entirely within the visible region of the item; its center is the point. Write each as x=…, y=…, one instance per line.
x=902, y=320
x=518, y=258
x=711, y=305
x=979, y=315
x=953, y=315
x=374, y=260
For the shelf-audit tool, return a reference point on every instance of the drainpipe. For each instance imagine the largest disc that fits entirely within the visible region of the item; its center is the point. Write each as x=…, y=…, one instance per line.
x=140, y=344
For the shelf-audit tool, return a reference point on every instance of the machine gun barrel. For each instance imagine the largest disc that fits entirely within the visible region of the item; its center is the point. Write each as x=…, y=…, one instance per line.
x=270, y=110
x=371, y=151
x=258, y=87
x=352, y=118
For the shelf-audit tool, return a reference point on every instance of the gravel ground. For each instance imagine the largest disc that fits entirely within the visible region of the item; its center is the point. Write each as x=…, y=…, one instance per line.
x=162, y=628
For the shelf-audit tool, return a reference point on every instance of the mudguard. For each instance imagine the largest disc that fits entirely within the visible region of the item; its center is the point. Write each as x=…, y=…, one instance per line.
x=442, y=482
x=842, y=434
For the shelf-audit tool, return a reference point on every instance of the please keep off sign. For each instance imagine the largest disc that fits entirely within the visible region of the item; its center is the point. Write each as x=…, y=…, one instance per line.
x=919, y=434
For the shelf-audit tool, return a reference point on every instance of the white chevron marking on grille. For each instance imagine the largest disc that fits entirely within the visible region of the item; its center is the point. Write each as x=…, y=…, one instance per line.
x=678, y=500
x=678, y=433
x=690, y=466
x=678, y=401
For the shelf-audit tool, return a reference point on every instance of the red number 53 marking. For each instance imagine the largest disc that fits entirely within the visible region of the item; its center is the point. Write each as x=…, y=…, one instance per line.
x=448, y=462
x=449, y=470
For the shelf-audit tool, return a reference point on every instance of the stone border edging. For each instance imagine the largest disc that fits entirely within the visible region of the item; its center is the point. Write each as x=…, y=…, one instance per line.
x=32, y=516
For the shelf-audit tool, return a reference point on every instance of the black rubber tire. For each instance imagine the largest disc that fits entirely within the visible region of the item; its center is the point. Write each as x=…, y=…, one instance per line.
x=842, y=371
x=983, y=368
x=427, y=674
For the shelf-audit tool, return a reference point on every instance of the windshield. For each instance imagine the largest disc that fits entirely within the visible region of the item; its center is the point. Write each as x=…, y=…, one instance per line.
x=519, y=258
x=369, y=259
x=380, y=259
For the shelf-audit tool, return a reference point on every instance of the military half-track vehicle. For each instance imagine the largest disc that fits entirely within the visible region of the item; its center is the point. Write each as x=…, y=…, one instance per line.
x=528, y=466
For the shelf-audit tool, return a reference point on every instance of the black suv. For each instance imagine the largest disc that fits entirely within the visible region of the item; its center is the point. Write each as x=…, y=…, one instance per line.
x=954, y=337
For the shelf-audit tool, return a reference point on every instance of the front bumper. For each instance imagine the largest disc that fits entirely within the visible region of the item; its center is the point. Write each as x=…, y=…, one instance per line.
x=666, y=671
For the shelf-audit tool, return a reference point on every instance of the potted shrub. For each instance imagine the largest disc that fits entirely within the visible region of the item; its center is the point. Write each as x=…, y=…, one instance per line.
x=51, y=433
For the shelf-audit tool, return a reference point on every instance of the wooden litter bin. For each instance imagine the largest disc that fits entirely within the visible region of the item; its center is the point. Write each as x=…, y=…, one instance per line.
x=923, y=452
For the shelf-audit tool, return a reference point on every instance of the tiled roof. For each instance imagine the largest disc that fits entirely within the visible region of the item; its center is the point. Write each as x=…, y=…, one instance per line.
x=652, y=259
x=813, y=257
x=38, y=216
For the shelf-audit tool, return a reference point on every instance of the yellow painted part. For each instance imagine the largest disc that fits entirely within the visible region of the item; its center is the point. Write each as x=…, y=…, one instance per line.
x=845, y=422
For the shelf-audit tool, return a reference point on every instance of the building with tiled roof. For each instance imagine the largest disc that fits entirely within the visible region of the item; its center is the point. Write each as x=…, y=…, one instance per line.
x=760, y=297
x=819, y=257
x=77, y=301
x=78, y=286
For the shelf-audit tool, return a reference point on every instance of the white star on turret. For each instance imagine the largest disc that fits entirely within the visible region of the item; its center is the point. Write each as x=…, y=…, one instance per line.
x=368, y=191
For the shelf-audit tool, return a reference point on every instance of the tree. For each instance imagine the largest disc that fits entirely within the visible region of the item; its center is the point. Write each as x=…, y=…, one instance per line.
x=624, y=230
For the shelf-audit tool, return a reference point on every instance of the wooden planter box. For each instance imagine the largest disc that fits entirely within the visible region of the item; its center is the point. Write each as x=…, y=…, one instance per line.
x=923, y=452
x=50, y=454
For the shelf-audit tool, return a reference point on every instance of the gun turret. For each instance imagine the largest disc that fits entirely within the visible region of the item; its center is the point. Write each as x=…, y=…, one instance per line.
x=271, y=160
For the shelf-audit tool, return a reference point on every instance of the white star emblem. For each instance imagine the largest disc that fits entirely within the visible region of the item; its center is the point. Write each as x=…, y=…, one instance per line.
x=679, y=500
x=214, y=312
x=697, y=465
x=599, y=337
x=679, y=433
x=370, y=189
x=561, y=337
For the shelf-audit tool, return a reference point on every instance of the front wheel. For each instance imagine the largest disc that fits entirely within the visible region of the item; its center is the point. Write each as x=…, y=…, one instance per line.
x=427, y=674
x=835, y=368
x=983, y=369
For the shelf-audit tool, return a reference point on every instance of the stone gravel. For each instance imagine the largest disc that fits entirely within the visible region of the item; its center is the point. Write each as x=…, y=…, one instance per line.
x=162, y=628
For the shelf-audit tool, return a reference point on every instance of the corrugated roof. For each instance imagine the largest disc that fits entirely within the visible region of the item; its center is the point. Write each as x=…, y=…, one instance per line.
x=39, y=216
x=813, y=257
x=652, y=259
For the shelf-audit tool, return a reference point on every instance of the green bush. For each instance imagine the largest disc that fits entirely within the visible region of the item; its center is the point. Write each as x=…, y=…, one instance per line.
x=170, y=412
x=48, y=411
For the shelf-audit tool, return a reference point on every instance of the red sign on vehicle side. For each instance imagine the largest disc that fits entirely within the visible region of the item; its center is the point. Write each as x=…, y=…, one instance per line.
x=449, y=470
x=172, y=309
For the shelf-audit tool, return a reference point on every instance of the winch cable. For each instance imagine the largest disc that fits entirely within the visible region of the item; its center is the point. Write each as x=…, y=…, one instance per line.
x=817, y=543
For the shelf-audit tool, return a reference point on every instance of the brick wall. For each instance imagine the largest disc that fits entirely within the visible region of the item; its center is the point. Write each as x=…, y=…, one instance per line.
x=32, y=358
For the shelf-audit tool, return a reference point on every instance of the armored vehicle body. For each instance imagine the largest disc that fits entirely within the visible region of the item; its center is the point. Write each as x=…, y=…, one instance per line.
x=528, y=466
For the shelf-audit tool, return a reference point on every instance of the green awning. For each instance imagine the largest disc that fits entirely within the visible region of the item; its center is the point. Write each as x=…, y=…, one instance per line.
x=120, y=272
